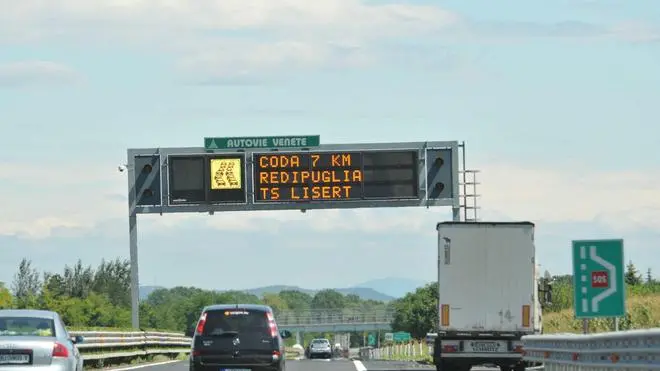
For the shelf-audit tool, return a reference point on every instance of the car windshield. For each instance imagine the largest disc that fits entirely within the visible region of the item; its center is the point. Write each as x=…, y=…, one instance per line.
x=27, y=326
x=320, y=342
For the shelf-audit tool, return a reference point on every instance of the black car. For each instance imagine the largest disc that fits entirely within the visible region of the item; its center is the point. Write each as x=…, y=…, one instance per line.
x=237, y=337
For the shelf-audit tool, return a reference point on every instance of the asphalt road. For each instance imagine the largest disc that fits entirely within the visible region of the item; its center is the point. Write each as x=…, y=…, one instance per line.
x=311, y=365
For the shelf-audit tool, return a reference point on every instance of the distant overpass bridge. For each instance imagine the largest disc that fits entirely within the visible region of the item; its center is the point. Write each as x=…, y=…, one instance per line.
x=320, y=320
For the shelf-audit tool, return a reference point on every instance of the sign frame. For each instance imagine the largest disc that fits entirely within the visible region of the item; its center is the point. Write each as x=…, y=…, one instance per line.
x=160, y=157
x=588, y=254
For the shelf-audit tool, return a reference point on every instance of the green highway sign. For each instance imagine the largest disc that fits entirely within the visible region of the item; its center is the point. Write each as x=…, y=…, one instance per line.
x=598, y=279
x=389, y=336
x=371, y=340
x=295, y=141
x=401, y=336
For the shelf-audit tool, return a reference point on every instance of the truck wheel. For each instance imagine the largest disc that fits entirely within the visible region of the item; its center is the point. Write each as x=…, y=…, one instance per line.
x=447, y=366
x=519, y=367
x=506, y=368
x=443, y=366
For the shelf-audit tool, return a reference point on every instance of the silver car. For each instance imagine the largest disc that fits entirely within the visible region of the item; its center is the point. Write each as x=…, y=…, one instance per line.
x=320, y=348
x=36, y=339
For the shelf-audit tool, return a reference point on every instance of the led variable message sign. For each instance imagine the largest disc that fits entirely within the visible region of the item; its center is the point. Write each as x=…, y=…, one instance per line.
x=197, y=179
x=334, y=175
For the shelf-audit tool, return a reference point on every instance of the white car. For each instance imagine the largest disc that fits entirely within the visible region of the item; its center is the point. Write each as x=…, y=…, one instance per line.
x=320, y=348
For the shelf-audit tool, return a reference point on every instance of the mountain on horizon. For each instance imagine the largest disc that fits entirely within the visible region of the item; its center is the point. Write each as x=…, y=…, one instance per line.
x=365, y=293
x=396, y=287
x=383, y=289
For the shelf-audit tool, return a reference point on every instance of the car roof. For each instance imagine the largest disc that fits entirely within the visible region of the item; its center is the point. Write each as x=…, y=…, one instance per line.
x=257, y=307
x=321, y=339
x=46, y=314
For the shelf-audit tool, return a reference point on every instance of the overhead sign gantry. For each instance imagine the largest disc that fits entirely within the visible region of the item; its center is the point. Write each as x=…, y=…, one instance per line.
x=286, y=173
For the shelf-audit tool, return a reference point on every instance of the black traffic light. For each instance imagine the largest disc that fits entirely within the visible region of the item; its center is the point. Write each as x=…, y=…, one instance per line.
x=147, y=180
x=439, y=178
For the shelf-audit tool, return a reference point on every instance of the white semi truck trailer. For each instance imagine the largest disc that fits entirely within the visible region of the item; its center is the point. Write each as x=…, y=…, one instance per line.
x=488, y=294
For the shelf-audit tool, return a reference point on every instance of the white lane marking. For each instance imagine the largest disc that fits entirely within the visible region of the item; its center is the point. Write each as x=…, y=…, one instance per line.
x=143, y=366
x=359, y=366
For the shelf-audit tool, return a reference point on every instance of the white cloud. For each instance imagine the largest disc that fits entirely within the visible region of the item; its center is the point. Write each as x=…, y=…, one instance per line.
x=637, y=32
x=351, y=17
x=35, y=72
x=625, y=201
x=620, y=198
x=239, y=41
x=226, y=58
x=46, y=197
x=229, y=37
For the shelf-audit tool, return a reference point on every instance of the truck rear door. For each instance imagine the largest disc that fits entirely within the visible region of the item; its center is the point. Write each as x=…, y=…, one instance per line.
x=486, y=276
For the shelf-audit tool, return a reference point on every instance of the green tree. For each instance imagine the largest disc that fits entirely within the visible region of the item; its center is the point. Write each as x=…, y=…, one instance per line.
x=55, y=284
x=234, y=296
x=328, y=299
x=632, y=276
x=296, y=300
x=649, y=277
x=113, y=279
x=78, y=280
x=26, y=285
x=88, y=297
x=6, y=299
x=148, y=316
x=417, y=312
x=275, y=301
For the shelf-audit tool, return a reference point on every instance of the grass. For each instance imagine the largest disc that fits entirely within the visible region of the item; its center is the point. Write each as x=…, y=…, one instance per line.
x=643, y=311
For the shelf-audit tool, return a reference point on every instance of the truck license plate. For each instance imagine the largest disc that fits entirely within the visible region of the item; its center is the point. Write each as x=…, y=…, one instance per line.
x=485, y=346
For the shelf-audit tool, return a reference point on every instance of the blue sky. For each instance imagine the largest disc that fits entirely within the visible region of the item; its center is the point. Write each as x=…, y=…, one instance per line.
x=557, y=101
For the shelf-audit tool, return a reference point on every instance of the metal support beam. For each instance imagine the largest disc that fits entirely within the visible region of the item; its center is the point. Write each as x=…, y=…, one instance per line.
x=135, y=282
x=133, y=247
x=456, y=214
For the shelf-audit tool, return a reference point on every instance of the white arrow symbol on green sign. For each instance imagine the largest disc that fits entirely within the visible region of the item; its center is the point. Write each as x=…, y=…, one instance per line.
x=595, y=301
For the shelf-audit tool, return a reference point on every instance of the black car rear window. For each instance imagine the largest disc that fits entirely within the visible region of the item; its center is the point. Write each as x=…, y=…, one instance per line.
x=26, y=326
x=239, y=320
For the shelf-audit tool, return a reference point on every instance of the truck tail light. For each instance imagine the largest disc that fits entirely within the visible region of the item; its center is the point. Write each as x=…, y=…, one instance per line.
x=525, y=315
x=444, y=317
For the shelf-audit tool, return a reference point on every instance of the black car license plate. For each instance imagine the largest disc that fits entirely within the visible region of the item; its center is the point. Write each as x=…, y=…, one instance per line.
x=14, y=359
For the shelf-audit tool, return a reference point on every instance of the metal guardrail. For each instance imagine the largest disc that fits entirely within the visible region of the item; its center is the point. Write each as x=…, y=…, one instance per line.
x=99, y=346
x=622, y=350
x=412, y=351
x=333, y=317
x=108, y=345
